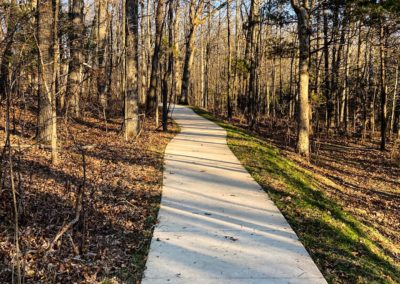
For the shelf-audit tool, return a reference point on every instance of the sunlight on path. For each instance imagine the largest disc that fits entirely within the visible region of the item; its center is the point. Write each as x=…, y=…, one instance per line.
x=216, y=224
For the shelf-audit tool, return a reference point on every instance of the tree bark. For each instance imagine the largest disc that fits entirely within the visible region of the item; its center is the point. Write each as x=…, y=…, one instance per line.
x=151, y=102
x=392, y=116
x=251, y=59
x=382, y=55
x=304, y=31
x=229, y=67
x=47, y=119
x=189, y=53
x=102, y=27
x=75, y=64
x=131, y=124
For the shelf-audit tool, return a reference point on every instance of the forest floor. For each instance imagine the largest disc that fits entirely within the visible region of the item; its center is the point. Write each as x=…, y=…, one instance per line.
x=343, y=204
x=122, y=195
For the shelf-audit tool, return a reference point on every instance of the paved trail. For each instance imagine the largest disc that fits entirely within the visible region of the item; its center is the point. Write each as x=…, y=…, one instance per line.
x=216, y=225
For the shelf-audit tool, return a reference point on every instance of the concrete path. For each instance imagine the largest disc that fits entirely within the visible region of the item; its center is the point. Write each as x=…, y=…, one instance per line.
x=216, y=224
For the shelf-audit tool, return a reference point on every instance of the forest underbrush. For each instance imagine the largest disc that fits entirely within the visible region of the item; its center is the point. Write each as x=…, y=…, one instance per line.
x=121, y=188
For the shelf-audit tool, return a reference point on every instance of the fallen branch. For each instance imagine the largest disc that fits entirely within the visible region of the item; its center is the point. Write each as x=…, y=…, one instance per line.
x=78, y=204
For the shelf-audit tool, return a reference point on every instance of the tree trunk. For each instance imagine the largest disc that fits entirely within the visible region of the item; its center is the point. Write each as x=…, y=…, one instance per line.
x=188, y=64
x=229, y=67
x=194, y=11
x=47, y=120
x=143, y=58
x=327, y=87
x=75, y=64
x=207, y=65
x=251, y=58
x=132, y=65
x=176, y=77
x=382, y=55
x=151, y=103
x=304, y=31
x=102, y=26
x=393, y=113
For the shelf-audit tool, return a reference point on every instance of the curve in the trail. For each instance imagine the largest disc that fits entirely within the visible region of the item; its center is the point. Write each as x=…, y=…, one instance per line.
x=216, y=224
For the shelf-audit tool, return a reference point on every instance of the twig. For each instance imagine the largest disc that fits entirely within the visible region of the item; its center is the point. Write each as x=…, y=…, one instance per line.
x=78, y=205
x=141, y=125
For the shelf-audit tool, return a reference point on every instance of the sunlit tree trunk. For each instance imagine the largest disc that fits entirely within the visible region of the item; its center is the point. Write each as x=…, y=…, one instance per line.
x=304, y=31
x=75, y=64
x=143, y=55
x=189, y=54
x=102, y=27
x=229, y=64
x=132, y=65
x=327, y=85
x=176, y=77
x=394, y=101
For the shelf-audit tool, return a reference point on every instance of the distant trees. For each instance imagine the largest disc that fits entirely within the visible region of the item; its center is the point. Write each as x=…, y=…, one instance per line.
x=87, y=58
x=330, y=66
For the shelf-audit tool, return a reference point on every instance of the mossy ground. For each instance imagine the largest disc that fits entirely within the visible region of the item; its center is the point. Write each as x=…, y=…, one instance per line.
x=344, y=248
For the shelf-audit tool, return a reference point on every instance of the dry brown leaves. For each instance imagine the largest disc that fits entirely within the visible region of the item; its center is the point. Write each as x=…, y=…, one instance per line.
x=121, y=199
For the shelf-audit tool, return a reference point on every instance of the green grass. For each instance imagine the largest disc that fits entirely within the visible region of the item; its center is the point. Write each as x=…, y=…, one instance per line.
x=345, y=250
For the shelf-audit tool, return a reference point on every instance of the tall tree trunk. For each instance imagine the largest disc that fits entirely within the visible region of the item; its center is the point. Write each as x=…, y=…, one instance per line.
x=194, y=12
x=229, y=67
x=188, y=61
x=327, y=87
x=143, y=58
x=237, y=54
x=47, y=120
x=170, y=65
x=396, y=81
x=102, y=27
x=345, y=93
x=251, y=58
x=203, y=96
x=151, y=102
x=75, y=64
x=132, y=65
x=207, y=64
x=382, y=55
x=176, y=78
x=7, y=53
x=304, y=31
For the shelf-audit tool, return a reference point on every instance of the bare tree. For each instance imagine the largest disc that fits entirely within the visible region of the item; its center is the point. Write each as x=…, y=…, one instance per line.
x=132, y=66
x=151, y=102
x=302, y=10
x=47, y=119
x=74, y=87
